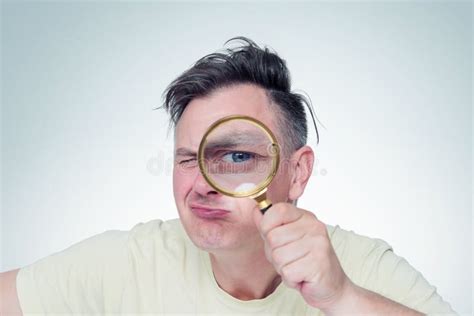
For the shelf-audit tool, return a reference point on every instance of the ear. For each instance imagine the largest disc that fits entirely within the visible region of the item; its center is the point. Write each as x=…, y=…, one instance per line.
x=302, y=168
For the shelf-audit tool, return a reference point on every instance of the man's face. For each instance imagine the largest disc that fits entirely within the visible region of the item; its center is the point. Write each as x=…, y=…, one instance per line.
x=231, y=228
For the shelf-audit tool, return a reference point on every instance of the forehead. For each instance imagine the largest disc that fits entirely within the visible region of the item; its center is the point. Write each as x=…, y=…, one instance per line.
x=244, y=99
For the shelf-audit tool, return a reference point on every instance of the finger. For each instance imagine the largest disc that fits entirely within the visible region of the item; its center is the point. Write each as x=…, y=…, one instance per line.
x=285, y=234
x=257, y=216
x=279, y=214
x=298, y=271
x=291, y=252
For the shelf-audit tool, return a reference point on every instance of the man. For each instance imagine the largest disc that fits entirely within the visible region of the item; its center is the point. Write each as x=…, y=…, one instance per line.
x=222, y=255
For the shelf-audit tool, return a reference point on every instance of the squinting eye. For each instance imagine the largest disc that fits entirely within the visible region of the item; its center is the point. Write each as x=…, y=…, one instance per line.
x=236, y=157
x=187, y=162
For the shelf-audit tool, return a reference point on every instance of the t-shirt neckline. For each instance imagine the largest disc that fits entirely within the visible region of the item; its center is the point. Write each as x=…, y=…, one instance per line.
x=235, y=303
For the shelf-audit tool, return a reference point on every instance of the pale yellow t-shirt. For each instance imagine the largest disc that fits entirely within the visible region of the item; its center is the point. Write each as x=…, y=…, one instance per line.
x=155, y=268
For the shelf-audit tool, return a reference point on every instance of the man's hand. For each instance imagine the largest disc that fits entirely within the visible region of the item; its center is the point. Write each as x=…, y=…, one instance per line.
x=298, y=246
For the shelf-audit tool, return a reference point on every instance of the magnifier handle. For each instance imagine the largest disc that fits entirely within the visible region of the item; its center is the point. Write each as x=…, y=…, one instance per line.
x=263, y=203
x=263, y=210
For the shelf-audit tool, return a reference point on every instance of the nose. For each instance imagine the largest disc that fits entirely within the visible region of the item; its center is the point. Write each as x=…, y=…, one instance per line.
x=201, y=186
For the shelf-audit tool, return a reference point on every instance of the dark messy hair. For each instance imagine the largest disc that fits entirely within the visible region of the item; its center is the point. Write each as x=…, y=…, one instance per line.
x=244, y=64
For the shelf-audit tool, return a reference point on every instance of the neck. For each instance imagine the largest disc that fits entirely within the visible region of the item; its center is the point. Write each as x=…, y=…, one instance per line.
x=244, y=275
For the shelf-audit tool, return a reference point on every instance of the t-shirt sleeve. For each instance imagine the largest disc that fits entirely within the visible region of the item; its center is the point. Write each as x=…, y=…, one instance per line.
x=88, y=277
x=393, y=277
x=372, y=264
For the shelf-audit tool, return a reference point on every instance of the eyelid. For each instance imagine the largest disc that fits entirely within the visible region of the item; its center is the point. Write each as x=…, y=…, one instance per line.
x=251, y=155
x=194, y=158
x=186, y=160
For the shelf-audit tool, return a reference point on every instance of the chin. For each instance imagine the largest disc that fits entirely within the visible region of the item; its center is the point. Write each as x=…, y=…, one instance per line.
x=215, y=234
x=209, y=241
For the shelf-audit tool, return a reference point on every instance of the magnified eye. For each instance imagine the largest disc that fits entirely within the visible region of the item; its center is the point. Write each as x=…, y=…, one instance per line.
x=236, y=157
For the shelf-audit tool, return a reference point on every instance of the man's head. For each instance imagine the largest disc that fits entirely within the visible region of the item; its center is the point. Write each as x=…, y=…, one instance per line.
x=244, y=64
x=245, y=80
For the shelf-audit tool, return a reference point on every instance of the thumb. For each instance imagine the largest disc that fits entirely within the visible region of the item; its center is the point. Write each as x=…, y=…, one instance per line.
x=257, y=216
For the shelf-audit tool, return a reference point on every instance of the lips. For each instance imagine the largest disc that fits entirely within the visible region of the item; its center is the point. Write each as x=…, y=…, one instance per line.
x=208, y=213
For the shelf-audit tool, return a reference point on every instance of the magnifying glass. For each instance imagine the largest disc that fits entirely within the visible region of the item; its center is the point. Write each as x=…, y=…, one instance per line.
x=239, y=156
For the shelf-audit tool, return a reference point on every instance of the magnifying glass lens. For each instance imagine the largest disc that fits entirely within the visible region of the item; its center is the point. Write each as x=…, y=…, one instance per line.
x=239, y=157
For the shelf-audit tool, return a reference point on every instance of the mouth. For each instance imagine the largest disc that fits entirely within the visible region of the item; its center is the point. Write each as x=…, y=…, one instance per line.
x=209, y=213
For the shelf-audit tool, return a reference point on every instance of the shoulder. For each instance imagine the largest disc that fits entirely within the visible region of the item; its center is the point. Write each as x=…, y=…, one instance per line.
x=158, y=236
x=112, y=246
x=358, y=254
x=372, y=264
x=347, y=241
x=158, y=229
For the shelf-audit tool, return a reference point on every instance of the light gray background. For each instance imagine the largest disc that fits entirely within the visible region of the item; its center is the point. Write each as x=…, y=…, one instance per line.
x=83, y=151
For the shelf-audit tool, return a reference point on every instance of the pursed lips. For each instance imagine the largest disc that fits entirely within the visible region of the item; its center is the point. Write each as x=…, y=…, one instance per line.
x=208, y=212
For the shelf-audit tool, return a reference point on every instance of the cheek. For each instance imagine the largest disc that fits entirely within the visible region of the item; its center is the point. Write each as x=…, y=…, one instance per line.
x=280, y=185
x=182, y=184
x=245, y=207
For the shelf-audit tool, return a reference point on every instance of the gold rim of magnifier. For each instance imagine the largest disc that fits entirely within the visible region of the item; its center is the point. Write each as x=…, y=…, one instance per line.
x=275, y=162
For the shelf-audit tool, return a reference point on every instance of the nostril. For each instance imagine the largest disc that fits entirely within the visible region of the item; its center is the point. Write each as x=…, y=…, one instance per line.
x=202, y=187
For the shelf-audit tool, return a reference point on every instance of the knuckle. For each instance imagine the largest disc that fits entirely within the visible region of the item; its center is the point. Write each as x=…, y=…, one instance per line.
x=318, y=228
x=311, y=215
x=278, y=209
x=272, y=238
x=264, y=226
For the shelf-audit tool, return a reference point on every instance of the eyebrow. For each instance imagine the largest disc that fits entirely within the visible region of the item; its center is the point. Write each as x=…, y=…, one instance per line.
x=236, y=139
x=227, y=141
x=182, y=151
